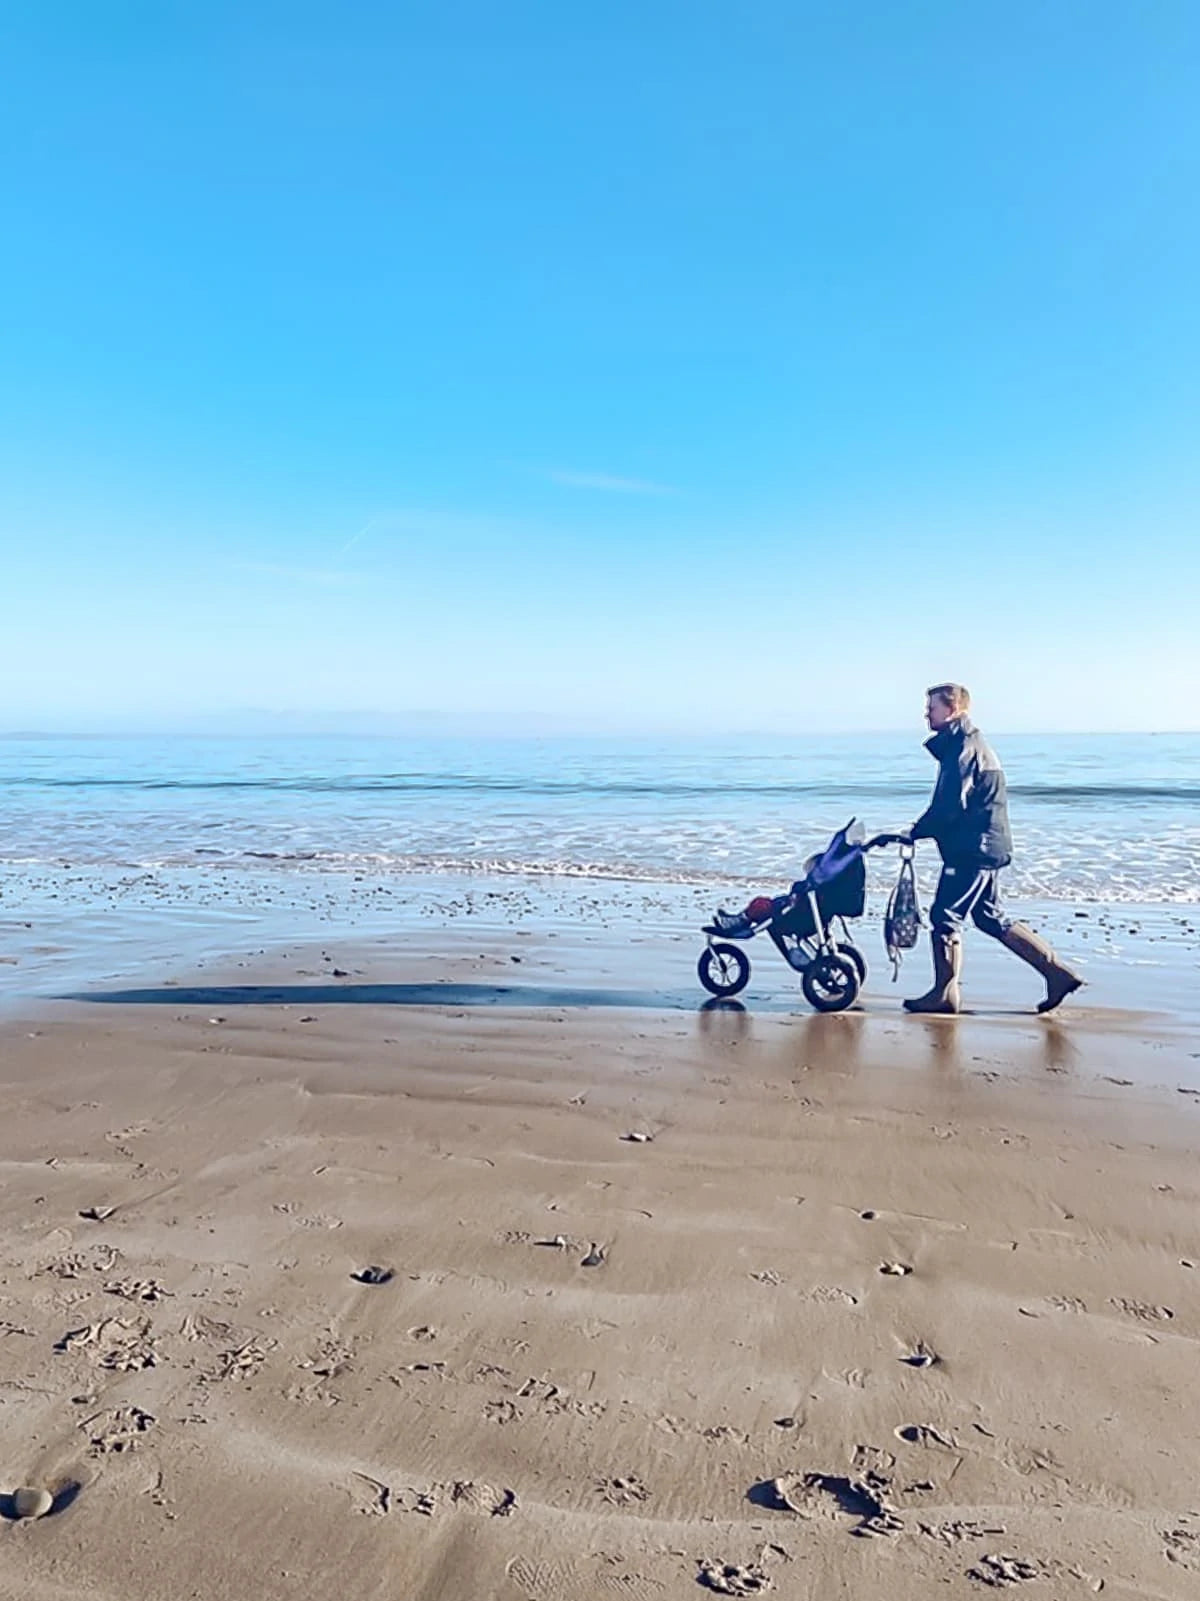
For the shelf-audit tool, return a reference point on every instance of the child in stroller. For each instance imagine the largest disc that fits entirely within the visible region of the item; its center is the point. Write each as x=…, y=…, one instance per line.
x=800, y=924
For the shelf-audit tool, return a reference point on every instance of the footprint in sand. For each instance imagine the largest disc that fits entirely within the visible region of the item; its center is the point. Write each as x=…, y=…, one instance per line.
x=1181, y=1544
x=540, y=1580
x=724, y=1434
x=1066, y=1303
x=729, y=1578
x=959, y=1529
x=998, y=1572
x=116, y=1344
x=332, y=1359
x=852, y=1378
x=834, y=1496
x=623, y=1490
x=464, y=1495
x=869, y=1460
x=132, y=1132
x=197, y=1326
x=372, y=1497
x=1142, y=1310
x=242, y=1362
x=437, y=1369
x=115, y=1433
x=584, y=1579
x=501, y=1412
x=136, y=1289
x=78, y=1264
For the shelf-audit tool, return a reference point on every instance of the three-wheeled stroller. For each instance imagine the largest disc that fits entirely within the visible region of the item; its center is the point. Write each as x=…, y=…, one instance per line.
x=801, y=925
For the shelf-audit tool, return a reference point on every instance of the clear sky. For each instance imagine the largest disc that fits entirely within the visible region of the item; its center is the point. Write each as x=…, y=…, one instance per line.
x=650, y=365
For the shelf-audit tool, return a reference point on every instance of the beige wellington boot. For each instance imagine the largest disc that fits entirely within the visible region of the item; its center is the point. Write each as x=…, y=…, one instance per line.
x=945, y=996
x=1032, y=948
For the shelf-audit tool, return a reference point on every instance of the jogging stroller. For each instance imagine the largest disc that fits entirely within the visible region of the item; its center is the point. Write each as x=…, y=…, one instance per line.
x=801, y=926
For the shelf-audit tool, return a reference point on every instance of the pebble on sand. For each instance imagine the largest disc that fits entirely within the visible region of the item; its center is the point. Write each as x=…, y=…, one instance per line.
x=29, y=1503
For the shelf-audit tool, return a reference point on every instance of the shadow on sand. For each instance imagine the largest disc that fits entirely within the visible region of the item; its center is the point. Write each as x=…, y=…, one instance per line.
x=530, y=997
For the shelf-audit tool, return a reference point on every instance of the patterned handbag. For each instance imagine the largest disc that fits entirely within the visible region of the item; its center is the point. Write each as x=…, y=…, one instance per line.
x=903, y=919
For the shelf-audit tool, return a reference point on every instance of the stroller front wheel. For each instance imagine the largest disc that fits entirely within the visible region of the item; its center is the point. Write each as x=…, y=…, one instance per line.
x=723, y=969
x=831, y=983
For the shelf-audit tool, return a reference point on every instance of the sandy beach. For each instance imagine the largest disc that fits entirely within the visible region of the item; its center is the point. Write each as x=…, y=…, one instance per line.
x=854, y=1306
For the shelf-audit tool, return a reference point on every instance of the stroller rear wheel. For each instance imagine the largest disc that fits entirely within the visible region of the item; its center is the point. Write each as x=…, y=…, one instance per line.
x=831, y=983
x=723, y=969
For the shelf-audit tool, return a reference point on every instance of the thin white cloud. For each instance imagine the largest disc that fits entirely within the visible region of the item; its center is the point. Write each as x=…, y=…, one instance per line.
x=608, y=482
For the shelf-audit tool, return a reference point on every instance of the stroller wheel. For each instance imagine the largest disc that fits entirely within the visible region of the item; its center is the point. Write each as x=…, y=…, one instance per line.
x=831, y=983
x=857, y=960
x=723, y=969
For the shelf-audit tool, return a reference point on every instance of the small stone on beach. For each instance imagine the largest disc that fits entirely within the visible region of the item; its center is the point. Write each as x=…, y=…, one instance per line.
x=28, y=1503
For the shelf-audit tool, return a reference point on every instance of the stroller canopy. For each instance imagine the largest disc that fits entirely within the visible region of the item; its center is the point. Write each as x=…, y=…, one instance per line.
x=845, y=847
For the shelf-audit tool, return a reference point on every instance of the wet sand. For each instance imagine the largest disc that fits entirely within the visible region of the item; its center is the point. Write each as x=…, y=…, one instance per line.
x=633, y=1332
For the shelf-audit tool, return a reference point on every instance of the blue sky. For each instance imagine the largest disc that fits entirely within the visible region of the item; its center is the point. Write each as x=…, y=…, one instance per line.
x=651, y=366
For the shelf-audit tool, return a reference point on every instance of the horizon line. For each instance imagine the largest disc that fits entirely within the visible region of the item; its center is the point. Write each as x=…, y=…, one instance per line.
x=148, y=731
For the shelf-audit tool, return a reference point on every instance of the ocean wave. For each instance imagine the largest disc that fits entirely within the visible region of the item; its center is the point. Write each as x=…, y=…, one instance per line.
x=535, y=788
x=1078, y=883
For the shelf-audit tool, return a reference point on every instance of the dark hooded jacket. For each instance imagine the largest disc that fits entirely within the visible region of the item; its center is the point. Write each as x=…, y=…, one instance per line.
x=968, y=815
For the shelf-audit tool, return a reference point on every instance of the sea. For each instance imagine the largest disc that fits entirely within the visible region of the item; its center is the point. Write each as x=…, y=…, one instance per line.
x=1111, y=818
x=143, y=827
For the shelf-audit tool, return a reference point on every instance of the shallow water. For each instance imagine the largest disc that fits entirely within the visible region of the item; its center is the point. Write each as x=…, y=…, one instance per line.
x=1096, y=818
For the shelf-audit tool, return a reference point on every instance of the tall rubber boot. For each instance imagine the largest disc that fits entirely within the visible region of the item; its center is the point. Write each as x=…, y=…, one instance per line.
x=1032, y=948
x=945, y=996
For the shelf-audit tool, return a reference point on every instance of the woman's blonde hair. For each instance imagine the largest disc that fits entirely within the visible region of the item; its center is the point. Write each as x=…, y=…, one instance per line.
x=956, y=696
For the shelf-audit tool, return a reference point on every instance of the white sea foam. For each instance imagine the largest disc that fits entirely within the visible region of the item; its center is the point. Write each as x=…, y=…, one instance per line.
x=1096, y=821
